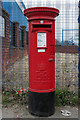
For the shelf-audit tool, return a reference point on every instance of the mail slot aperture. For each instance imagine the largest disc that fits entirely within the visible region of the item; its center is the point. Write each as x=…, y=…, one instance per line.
x=41, y=26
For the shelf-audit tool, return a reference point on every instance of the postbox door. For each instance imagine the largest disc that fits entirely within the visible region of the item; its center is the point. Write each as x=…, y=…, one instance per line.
x=41, y=63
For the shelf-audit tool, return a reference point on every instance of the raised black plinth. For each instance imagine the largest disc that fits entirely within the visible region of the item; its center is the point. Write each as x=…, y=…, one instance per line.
x=42, y=104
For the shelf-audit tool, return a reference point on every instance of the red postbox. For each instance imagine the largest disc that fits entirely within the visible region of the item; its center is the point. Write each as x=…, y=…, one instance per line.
x=41, y=59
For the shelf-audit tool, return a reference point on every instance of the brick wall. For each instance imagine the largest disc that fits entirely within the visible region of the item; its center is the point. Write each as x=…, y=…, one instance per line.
x=14, y=53
x=66, y=49
x=5, y=41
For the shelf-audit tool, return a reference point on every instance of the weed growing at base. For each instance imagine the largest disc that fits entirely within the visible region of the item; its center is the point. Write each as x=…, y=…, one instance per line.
x=63, y=97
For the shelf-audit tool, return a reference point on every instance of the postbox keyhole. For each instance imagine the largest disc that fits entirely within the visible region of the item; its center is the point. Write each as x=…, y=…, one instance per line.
x=51, y=51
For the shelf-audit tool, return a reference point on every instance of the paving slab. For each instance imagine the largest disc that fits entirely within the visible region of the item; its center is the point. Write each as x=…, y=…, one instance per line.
x=21, y=111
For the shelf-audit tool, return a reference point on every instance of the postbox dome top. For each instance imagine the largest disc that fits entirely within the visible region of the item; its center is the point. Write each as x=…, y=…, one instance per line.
x=41, y=13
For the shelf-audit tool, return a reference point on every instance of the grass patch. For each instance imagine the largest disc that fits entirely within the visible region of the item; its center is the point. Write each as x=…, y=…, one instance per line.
x=64, y=97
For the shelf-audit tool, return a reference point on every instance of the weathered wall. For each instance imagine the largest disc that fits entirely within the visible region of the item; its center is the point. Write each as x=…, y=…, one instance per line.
x=66, y=72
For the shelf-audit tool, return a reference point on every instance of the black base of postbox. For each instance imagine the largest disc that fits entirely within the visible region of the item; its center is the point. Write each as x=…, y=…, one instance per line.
x=42, y=104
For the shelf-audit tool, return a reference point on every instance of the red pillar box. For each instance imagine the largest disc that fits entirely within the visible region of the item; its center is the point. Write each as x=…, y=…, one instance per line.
x=41, y=59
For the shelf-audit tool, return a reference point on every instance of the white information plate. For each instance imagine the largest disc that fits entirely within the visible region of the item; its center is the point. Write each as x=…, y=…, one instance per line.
x=41, y=50
x=41, y=39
